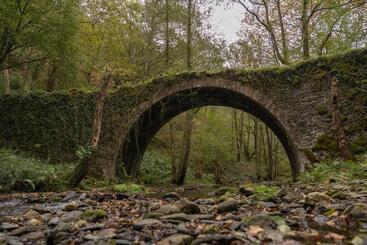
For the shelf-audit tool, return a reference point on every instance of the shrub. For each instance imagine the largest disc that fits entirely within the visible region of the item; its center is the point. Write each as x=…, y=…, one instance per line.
x=129, y=188
x=16, y=168
x=339, y=170
x=155, y=168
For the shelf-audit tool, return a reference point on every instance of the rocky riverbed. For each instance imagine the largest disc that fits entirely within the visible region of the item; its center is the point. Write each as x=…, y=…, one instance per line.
x=330, y=213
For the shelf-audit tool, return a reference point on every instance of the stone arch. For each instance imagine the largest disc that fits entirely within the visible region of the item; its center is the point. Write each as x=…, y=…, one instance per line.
x=151, y=115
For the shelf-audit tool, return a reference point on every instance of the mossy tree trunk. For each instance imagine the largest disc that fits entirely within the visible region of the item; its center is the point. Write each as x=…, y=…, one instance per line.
x=82, y=169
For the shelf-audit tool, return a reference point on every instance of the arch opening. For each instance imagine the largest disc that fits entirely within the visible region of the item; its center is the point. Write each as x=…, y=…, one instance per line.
x=153, y=118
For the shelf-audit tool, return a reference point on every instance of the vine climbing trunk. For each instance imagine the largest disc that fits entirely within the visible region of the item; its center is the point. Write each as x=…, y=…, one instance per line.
x=341, y=137
x=83, y=168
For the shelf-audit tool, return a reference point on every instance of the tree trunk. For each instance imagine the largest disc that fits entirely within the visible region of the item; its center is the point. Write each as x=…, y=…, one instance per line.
x=83, y=168
x=339, y=133
x=27, y=78
x=167, y=41
x=189, y=36
x=182, y=168
x=305, y=30
x=283, y=34
x=172, y=152
x=51, y=81
x=7, y=82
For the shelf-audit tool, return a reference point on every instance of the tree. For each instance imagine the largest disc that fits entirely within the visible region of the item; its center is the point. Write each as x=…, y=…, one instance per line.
x=22, y=24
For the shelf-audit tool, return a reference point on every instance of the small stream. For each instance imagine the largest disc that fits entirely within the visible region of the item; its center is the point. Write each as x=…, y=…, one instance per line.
x=13, y=207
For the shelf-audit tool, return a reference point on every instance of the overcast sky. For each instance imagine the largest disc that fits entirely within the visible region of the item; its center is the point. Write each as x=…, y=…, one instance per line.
x=227, y=21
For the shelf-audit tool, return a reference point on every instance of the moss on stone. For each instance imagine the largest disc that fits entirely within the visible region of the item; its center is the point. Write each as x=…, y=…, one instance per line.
x=94, y=214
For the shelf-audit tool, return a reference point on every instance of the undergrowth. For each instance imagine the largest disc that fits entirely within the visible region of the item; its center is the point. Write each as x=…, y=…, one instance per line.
x=22, y=173
x=337, y=170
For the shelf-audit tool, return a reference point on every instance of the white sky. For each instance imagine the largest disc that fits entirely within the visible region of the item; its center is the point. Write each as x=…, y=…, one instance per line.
x=226, y=20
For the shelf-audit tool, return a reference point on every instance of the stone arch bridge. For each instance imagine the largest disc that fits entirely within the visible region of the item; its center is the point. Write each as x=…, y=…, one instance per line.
x=293, y=101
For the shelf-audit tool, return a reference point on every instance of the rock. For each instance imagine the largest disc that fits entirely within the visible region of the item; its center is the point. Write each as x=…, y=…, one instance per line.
x=246, y=190
x=317, y=198
x=227, y=206
x=235, y=225
x=18, y=232
x=222, y=190
x=11, y=240
x=70, y=207
x=357, y=212
x=177, y=216
x=320, y=219
x=264, y=221
x=226, y=196
x=65, y=227
x=176, y=239
x=83, y=196
x=213, y=239
x=107, y=233
x=185, y=206
x=274, y=235
x=9, y=226
x=32, y=214
x=93, y=227
x=171, y=195
x=72, y=195
x=152, y=215
x=168, y=209
x=54, y=221
x=41, y=208
x=71, y=216
x=181, y=228
x=91, y=237
x=122, y=196
x=37, y=235
x=146, y=222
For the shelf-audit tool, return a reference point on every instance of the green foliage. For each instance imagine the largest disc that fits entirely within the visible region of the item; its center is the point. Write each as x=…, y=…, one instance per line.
x=129, y=188
x=90, y=183
x=337, y=170
x=265, y=193
x=44, y=176
x=155, y=168
x=83, y=152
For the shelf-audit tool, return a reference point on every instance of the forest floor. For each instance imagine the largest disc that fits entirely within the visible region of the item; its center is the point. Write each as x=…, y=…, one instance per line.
x=298, y=213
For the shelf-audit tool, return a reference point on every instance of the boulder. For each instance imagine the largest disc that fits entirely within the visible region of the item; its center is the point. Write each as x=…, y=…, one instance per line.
x=317, y=198
x=246, y=190
x=227, y=206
